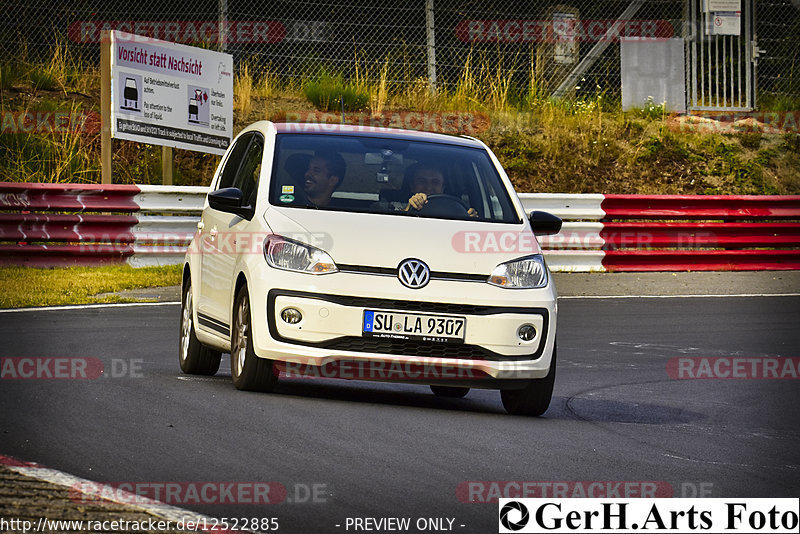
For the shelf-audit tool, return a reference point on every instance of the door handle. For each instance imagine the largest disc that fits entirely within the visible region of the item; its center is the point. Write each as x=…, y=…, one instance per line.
x=201, y=225
x=213, y=232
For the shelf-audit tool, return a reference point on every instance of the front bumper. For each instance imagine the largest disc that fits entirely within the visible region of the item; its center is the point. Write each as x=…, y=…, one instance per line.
x=330, y=333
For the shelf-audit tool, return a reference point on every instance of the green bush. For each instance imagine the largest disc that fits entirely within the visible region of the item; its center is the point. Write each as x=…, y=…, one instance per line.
x=42, y=79
x=751, y=140
x=666, y=148
x=792, y=142
x=327, y=92
x=651, y=110
x=10, y=74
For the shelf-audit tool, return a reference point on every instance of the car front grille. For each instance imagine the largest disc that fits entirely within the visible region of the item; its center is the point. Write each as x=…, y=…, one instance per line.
x=427, y=307
x=400, y=347
x=421, y=349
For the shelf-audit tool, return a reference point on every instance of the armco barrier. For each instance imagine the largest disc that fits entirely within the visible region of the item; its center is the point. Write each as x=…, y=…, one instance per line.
x=57, y=224
x=168, y=219
x=36, y=232
x=671, y=232
x=85, y=224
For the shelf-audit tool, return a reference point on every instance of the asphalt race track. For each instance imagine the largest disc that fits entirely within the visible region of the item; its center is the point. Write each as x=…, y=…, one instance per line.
x=343, y=449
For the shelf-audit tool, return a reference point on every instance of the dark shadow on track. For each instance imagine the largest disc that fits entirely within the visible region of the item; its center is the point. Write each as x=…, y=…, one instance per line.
x=376, y=393
x=476, y=401
x=610, y=411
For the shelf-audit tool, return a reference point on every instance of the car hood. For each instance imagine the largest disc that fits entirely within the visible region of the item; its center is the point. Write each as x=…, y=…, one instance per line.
x=376, y=240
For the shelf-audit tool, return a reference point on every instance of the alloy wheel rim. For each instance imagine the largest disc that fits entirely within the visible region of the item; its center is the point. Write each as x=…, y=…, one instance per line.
x=241, y=335
x=187, y=325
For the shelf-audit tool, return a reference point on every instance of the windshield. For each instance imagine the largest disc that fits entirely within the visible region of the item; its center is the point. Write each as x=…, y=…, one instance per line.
x=391, y=176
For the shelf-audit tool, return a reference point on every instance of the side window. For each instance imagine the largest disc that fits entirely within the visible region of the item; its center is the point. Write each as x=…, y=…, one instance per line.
x=250, y=169
x=234, y=160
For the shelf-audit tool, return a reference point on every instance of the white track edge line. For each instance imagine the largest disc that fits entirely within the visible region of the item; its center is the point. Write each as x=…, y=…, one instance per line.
x=89, y=306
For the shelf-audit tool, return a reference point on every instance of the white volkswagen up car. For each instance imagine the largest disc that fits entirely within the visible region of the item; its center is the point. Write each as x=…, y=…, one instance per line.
x=370, y=253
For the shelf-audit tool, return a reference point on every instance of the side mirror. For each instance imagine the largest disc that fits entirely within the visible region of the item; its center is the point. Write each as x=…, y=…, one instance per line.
x=229, y=200
x=544, y=223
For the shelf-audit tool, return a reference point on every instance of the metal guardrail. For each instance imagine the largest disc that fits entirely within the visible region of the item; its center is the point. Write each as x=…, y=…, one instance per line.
x=151, y=225
x=672, y=232
x=167, y=221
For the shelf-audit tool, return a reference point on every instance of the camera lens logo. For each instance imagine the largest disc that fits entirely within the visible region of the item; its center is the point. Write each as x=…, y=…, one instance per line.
x=523, y=515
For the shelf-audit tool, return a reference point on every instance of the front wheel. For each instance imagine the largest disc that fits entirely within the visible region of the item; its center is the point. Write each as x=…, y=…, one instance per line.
x=194, y=357
x=249, y=372
x=534, y=398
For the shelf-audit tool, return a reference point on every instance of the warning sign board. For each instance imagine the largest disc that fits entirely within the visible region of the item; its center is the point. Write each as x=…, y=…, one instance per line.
x=169, y=94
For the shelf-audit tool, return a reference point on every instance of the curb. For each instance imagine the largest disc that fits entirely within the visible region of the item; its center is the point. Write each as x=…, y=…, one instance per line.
x=131, y=507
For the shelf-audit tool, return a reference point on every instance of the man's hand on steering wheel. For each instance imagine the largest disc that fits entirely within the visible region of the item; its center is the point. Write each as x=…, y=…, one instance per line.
x=417, y=201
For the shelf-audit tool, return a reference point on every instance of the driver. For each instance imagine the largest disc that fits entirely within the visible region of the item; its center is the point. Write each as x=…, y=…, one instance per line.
x=428, y=181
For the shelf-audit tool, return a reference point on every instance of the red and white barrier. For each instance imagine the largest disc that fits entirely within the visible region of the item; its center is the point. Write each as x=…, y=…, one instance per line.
x=152, y=225
x=671, y=232
x=141, y=225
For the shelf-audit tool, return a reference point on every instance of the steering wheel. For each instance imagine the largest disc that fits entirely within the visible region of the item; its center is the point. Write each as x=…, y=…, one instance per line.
x=442, y=205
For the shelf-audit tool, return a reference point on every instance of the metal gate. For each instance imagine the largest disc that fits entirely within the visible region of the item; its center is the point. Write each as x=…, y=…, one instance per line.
x=721, y=55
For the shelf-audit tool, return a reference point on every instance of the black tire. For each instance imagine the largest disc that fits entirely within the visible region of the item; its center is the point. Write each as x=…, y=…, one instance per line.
x=248, y=371
x=451, y=392
x=194, y=357
x=534, y=399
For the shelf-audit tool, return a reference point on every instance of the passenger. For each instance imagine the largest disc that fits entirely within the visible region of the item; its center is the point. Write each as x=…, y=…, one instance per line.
x=324, y=174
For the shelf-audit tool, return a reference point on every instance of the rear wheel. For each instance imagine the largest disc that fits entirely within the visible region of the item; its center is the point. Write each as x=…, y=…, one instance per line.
x=452, y=392
x=194, y=357
x=249, y=372
x=534, y=398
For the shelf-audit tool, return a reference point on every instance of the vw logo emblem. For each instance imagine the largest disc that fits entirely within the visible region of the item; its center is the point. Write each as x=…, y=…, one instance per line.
x=413, y=273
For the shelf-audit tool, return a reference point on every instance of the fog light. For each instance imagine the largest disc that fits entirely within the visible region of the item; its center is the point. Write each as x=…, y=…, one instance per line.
x=291, y=315
x=526, y=332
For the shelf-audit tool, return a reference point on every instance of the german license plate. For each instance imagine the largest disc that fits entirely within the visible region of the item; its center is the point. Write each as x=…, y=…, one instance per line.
x=396, y=325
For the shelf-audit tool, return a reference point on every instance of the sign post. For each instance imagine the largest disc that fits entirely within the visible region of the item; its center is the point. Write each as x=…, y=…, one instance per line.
x=105, y=107
x=166, y=165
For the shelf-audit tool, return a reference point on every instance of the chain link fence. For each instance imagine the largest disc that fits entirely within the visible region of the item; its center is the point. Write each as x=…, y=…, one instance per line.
x=562, y=48
x=778, y=27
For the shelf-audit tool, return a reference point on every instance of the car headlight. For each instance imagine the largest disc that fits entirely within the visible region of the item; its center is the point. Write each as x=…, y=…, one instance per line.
x=289, y=255
x=525, y=273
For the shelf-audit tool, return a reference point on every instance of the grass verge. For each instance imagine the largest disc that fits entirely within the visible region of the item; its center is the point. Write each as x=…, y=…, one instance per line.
x=23, y=287
x=582, y=144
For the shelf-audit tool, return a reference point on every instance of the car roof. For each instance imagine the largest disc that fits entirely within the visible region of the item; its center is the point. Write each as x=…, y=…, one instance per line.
x=376, y=132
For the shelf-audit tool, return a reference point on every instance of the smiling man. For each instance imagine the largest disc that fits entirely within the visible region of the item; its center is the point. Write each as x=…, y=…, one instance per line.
x=324, y=174
x=427, y=181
